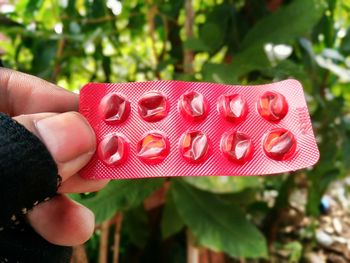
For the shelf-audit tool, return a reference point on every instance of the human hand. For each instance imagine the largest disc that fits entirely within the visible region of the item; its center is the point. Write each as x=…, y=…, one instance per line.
x=50, y=113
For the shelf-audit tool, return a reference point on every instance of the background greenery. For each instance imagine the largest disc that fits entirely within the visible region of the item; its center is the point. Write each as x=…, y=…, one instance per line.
x=72, y=42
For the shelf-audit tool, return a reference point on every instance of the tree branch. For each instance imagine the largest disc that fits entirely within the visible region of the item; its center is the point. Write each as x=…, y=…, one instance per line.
x=152, y=28
x=116, y=246
x=79, y=255
x=103, y=250
x=59, y=54
x=193, y=252
x=188, y=54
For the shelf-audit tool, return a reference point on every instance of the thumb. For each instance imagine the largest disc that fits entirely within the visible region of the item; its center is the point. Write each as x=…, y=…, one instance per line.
x=68, y=137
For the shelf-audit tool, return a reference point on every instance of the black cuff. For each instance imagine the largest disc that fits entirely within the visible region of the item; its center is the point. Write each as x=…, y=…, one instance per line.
x=28, y=176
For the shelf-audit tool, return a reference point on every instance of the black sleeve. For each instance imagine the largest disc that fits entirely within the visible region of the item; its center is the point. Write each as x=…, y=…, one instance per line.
x=28, y=176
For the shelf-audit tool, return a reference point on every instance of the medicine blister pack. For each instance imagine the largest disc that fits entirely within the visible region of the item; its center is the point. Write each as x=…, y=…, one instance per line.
x=175, y=128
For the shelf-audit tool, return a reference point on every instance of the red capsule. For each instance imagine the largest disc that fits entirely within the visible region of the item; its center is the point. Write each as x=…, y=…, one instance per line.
x=233, y=107
x=237, y=147
x=279, y=144
x=194, y=146
x=113, y=150
x=114, y=108
x=272, y=106
x=153, y=148
x=194, y=106
x=153, y=106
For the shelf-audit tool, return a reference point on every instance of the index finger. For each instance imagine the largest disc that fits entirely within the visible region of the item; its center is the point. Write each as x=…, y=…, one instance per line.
x=21, y=93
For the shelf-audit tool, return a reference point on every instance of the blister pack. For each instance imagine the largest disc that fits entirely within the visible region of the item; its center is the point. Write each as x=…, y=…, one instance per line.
x=176, y=128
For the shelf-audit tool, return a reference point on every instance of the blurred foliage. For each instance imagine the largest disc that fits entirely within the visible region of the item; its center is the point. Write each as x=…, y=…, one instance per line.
x=72, y=42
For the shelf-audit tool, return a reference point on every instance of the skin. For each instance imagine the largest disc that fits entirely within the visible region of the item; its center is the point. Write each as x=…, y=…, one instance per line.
x=49, y=112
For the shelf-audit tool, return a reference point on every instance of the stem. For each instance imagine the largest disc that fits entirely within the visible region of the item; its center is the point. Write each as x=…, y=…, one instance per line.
x=98, y=20
x=79, y=255
x=166, y=35
x=118, y=226
x=204, y=256
x=216, y=257
x=188, y=54
x=103, y=253
x=323, y=84
x=192, y=251
x=152, y=28
x=276, y=214
x=176, y=42
x=59, y=54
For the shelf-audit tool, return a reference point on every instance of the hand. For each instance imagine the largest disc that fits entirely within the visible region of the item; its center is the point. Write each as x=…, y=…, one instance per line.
x=50, y=113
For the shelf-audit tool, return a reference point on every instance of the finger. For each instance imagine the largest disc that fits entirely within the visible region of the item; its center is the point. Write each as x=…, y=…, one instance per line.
x=68, y=137
x=72, y=183
x=24, y=94
x=62, y=221
x=76, y=184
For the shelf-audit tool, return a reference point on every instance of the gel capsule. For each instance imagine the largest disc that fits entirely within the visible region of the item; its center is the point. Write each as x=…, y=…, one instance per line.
x=279, y=144
x=237, y=147
x=113, y=150
x=272, y=106
x=114, y=108
x=153, y=148
x=153, y=106
x=233, y=107
x=194, y=146
x=193, y=106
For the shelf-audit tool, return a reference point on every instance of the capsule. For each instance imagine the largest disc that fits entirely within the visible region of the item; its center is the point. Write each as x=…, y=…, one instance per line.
x=233, y=108
x=153, y=106
x=153, y=148
x=193, y=106
x=237, y=147
x=272, y=106
x=279, y=144
x=113, y=150
x=194, y=146
x=114, y=108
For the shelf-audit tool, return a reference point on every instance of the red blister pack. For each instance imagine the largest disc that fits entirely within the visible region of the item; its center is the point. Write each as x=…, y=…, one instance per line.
x=176, y=128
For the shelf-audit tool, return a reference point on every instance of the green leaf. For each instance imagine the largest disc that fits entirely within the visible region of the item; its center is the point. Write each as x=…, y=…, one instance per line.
x=243, y=198
x=212, y=35
x=97, y=8
x=319, y=182
x=120, y=195
x=170, y=8
x=286, y=23
x=287, y=69
x=219, y=73
x=136, y=226
x=32, y=7
x=216, y=224
x=295, y=248
x=253, y=58
x=171, y=220
x=345, y=43
x=44, y=57
x=346, y=144
x=71, y=8
x=224, y=184
x=196, y=44
x=212, y=32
